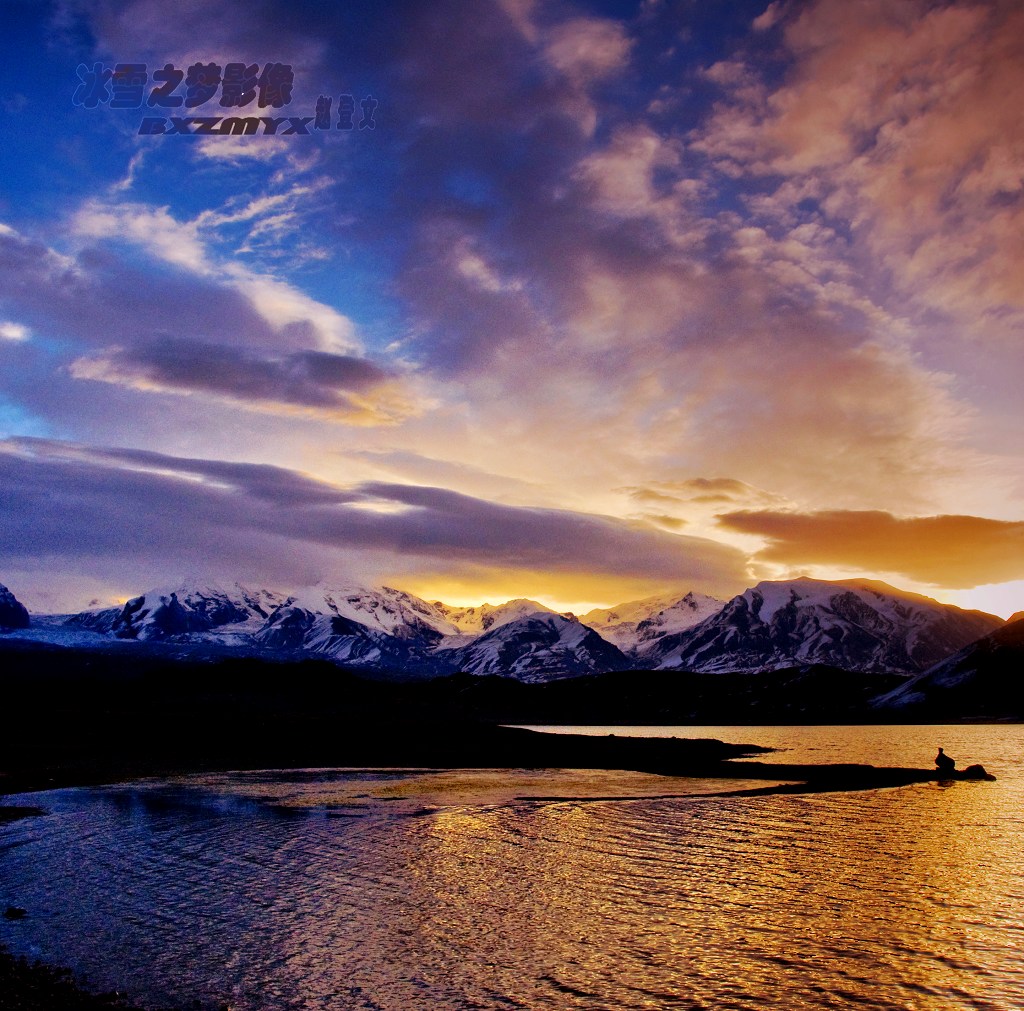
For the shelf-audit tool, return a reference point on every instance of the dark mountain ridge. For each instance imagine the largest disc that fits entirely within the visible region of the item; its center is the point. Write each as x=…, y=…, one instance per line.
x=12, y=612
x=985, y=679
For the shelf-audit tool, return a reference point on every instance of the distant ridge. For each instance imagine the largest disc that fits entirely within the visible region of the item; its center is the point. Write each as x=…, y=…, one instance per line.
x=854, y=625
x=484, y=617
x=541, y=646
x=637, y=627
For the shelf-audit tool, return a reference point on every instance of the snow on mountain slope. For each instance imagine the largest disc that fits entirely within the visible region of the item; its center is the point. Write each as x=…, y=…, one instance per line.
x=983, y=680
x=186, y=609
x=347, y=641
x=633, y=611
x=541, y=646
x=618, y=624
x=394, y=612
x=12, y=612
x=634, y=627
x=856, y=624
x=484, y=617
x=376, y=628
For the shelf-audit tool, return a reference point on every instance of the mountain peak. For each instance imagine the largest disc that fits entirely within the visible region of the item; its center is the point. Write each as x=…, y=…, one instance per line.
x=382, y=608
x=12, y=612
x=536, y=646
x=856, y=624
x=484, y=617
x=634, y=626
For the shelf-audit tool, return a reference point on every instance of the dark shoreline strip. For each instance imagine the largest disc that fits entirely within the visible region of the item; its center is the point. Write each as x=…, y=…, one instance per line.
x=411, y=745
x=786, y=779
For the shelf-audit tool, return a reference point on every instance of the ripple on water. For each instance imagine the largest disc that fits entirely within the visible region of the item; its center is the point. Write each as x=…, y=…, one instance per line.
x=313, y=890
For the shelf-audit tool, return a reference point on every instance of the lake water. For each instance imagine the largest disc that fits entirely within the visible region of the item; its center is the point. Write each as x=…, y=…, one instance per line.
x=421, y=889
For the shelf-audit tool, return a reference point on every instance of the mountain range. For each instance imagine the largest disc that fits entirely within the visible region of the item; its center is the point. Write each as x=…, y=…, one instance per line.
x=857, y=625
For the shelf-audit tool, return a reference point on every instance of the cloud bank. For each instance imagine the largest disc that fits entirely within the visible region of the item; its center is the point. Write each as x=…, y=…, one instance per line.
x=115, y=507
x=946, y=551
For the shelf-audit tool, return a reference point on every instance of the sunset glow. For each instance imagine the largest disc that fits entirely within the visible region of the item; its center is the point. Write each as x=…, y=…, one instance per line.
x=602, y=300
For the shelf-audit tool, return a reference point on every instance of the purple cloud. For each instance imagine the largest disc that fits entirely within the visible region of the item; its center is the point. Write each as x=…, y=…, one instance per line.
x=336, y=387
x=82, y=503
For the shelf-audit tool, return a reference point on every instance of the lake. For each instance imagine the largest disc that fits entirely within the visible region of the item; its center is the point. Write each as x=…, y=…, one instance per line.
x=409, y=889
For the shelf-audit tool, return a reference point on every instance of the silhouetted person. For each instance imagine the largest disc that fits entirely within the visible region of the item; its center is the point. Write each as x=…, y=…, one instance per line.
x=943, y=762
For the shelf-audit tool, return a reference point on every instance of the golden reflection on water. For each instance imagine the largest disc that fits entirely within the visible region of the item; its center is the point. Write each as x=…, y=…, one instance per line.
x=321, y=893
x=551, y=899
x=826, y=899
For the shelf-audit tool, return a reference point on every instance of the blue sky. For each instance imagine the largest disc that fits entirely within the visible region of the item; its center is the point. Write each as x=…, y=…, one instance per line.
x=615, y=298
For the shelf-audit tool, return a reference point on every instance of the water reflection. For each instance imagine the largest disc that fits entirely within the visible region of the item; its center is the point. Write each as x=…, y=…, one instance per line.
x=892, y=899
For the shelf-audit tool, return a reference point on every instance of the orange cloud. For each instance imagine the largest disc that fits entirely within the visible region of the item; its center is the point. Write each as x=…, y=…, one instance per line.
x=956, y=552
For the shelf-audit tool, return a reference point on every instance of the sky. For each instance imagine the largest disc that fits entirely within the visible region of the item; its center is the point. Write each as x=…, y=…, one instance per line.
x=577, y=301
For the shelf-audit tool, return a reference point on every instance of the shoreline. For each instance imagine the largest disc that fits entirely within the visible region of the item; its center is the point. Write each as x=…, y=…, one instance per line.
x=475, y=746
x=37, y=986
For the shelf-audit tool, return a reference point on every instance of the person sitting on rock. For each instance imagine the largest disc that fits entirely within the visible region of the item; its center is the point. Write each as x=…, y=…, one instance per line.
x=943, y=762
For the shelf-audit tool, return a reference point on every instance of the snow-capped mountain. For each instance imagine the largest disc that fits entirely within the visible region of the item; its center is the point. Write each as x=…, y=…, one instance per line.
x=12, y=612
x=383, y=609
x=541, y=646
x=187, y=609
x=476, y=620
x=346, y=641
x=635, y=627
x=983, y=680
x=859, y=624
x=381, y=627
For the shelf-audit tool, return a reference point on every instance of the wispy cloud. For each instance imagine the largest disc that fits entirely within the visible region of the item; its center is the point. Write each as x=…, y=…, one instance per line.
x=903, y=118
x=242, y=149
